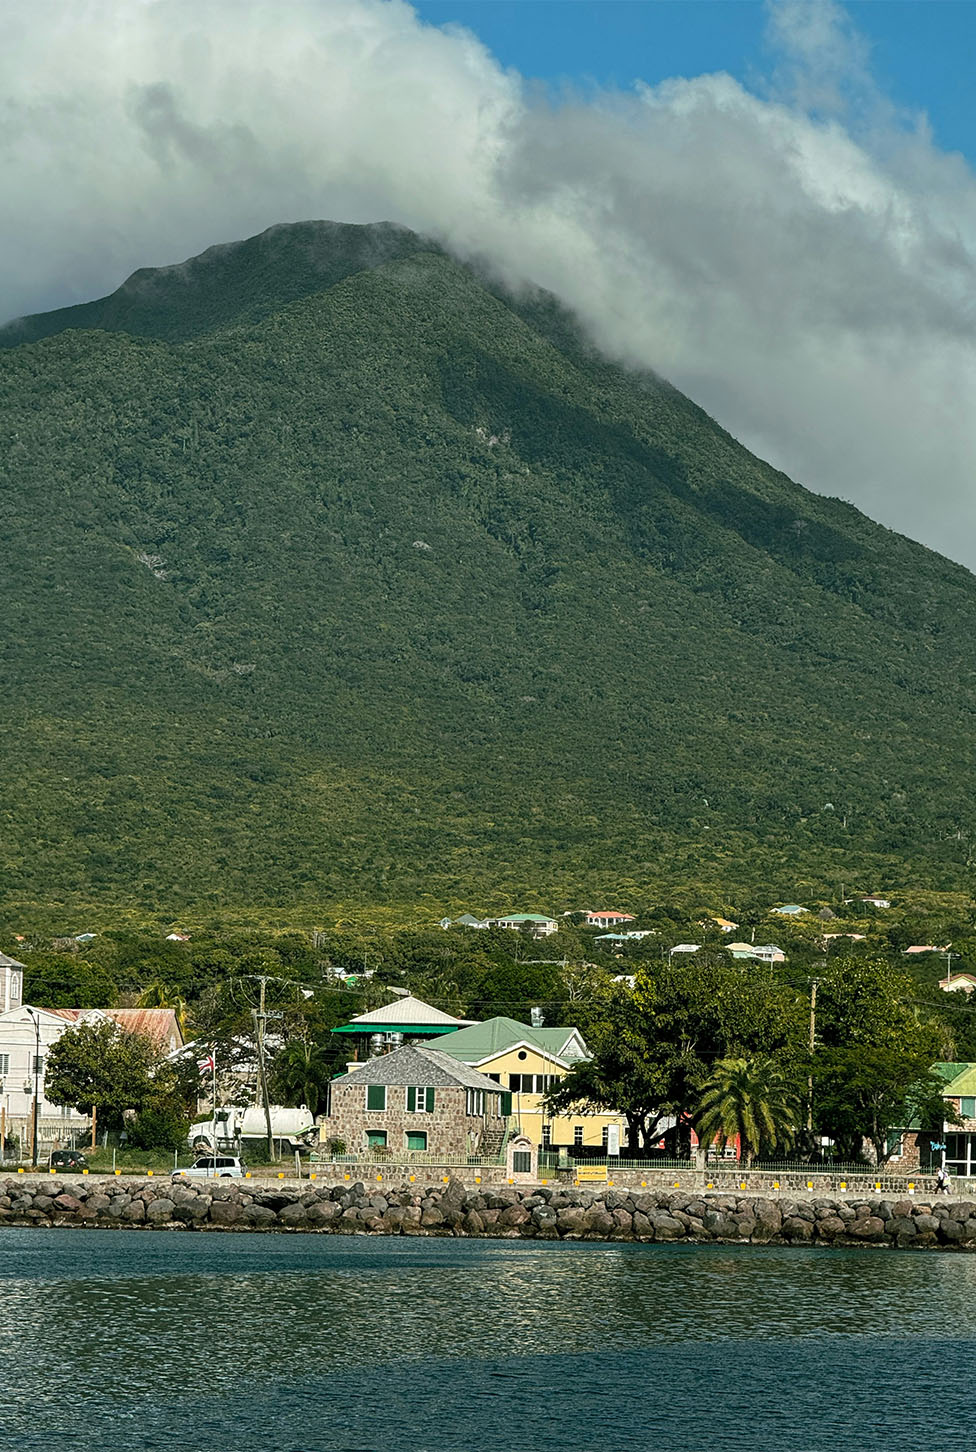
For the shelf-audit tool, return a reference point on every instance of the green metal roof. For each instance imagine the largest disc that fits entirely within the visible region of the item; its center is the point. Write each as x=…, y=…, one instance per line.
x=495, y=1035
x=959, y=1078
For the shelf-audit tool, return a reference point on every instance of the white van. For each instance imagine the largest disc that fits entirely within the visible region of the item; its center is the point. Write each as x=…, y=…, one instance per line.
x=212, y=1167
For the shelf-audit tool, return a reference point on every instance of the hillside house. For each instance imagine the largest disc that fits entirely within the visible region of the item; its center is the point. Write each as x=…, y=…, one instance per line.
x=536, y=924
x=789, y=910
x=415, y=1101
x=607, y=918
x=759, y=952
x=527, y=1062
x=958, y=983
x=876, y=902
x=768, y=953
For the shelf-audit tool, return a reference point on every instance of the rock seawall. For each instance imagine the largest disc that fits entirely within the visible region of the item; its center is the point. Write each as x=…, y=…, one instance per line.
x=505, y=1212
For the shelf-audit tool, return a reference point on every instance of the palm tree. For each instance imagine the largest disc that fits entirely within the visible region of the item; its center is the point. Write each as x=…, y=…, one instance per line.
x=301, y=1073
x=161, y=995
x=752, y=1101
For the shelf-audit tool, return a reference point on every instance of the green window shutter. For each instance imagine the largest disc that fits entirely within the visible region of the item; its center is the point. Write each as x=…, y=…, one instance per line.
x=411, y=1100
x=430, y=1101
x=967, y=1107
x=375, y=1096
x=506, y=1103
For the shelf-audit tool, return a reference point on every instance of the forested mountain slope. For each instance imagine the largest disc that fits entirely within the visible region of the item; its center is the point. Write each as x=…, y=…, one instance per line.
x=334, y=573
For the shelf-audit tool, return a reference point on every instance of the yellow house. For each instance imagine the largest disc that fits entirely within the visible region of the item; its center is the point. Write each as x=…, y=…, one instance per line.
x=527, y=1062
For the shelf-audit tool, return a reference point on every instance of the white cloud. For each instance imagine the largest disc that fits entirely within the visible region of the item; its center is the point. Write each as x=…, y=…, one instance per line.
x=801, y=261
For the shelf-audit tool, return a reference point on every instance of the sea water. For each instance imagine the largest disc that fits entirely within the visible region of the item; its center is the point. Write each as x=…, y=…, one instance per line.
x=302, y=1343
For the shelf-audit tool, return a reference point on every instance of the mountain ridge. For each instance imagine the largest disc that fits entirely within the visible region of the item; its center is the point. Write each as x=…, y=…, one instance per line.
x=405, y=547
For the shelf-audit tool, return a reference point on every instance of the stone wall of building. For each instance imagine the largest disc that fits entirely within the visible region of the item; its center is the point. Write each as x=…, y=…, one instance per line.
x=449, y=1128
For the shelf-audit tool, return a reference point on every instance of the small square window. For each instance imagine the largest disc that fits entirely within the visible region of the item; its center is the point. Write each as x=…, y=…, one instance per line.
x=376, y=1139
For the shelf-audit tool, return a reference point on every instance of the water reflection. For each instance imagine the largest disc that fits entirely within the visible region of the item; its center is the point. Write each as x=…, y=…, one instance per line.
x=276, y=1342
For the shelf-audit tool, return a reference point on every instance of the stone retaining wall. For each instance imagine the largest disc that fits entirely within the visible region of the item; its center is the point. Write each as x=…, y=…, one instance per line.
x=506, y=1212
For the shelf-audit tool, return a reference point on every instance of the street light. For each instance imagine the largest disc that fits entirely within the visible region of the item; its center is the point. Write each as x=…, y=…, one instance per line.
x=37, y=1070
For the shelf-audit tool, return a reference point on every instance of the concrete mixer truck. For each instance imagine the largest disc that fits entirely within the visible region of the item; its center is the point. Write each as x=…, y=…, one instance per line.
x=292, y=1128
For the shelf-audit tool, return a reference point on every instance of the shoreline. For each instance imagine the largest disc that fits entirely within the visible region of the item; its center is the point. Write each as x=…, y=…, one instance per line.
x=503, y=1212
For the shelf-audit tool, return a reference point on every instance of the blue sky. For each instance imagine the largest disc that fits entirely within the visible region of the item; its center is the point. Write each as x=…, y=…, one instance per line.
x=773, y=205
x=922, y=52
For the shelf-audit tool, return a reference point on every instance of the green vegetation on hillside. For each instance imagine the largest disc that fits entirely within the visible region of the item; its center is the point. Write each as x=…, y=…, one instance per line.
x=334, y=575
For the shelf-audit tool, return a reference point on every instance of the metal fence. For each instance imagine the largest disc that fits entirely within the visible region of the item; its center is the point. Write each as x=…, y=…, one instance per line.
x=551, y=1160
x=410, y=1158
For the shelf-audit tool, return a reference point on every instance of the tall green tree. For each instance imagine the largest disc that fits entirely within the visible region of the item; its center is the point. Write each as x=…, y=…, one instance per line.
x=101, y=1066
x=876, y=1044
x=652, y=1048
x=869, y=1092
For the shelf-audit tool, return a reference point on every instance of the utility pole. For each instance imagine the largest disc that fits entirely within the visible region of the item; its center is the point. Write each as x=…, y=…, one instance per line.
x=814, y=985
x=260, y=1015
x=260, y=1018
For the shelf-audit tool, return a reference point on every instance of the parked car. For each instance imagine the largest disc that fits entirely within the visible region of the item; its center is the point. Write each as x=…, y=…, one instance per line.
x=68, y=1159
x=213, y=1167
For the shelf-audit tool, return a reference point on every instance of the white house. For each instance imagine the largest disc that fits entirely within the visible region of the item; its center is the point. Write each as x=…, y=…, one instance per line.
x=27, y=1035
x=607, y=918
x=958, y=982
x=762, y=953
x=11, y=983
x=535, y=923
x=878, y=902
x=768, y=953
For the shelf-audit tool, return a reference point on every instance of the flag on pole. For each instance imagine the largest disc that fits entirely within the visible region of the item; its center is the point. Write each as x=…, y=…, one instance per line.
x=207, y=1064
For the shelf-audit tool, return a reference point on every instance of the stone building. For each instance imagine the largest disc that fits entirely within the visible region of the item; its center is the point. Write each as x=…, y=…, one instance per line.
x=416, y=1100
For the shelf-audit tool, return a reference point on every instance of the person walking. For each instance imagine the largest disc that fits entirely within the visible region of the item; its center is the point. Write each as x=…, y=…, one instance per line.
x=942, y=1185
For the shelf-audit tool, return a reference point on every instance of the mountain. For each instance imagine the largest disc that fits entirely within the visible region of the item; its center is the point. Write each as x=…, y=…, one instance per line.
x=335, y=573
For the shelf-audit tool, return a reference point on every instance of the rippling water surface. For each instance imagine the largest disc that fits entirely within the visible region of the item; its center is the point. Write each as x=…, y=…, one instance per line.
x=321, y=1344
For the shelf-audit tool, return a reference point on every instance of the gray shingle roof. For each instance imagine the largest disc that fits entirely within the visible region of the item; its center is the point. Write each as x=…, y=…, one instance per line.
x=417, y=1064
